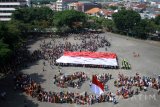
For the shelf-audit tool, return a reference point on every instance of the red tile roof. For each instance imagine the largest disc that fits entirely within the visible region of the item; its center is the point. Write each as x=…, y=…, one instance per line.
x=107, y=12
x=93, y=11
x=142, y=6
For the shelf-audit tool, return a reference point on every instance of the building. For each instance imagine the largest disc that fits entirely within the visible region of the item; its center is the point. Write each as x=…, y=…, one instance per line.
x=88, y=6
x=52, y=5
x=107, y=13
x=133, y=0
x=100, y=13
x=139, y=7
x=59, y=5
x=63, y=4
x=93, y=12
x=7, y=7
x=83, y=6
x=75, y=6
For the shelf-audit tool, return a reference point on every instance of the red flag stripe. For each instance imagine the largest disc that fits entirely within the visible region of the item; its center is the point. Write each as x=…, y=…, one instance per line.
x=91, y=54
x=97, y=82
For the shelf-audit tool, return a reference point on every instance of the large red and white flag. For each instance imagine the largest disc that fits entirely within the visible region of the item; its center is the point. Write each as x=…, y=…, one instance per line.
x=86, y=57
x=97, y=87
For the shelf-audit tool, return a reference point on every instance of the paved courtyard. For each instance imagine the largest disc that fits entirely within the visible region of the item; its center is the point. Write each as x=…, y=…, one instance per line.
x=147, y=64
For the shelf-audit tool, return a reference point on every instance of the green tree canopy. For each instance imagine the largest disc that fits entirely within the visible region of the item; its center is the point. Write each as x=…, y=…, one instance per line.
x=10, y=40
x=108, y=24
x=157, y=20
x=125, y=20
x=10, y=34
x=5, y=52
x=139, y=30
x=37, y=17
x=144, y=28
x=68, y=18
x=94, y=22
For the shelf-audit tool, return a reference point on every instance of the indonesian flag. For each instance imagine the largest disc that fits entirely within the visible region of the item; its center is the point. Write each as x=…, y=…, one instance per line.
x=87, y=57
x=97, y=87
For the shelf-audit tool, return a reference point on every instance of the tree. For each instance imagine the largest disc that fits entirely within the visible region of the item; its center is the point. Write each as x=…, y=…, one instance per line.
x=3, y=30
x=95, y=22
x=5, y=52
x=69, y=18
x=144, y=28
x=10, y=35
x=125, y=20
x=34, y=17
x=157, y=20
x=108, y=24
x=139, y=31
x=151, y=27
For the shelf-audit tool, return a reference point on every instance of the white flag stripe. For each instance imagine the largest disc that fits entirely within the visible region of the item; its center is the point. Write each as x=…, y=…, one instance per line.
x=96, y=89
x=86, y=60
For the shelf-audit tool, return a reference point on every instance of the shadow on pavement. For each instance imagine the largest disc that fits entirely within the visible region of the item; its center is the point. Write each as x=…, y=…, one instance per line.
x=17, y=98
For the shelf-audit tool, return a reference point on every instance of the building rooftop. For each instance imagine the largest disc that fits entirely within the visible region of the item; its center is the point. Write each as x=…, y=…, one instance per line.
x=107, y=12
x=93, y=11
x=76, y=3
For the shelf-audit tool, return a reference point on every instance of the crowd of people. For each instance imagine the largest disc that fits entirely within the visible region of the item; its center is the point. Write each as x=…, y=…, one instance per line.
x=52, y=51
x=141, y=83
x=26, y=84
x=125, y=64
x=21, y=59
x=84, y=42
x=124, y=83
x=103, y=78
x=74, y=80
x=87, y=65
x=3, y=96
